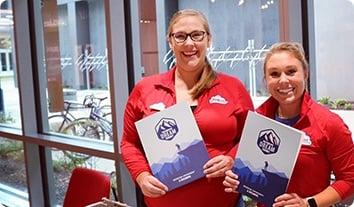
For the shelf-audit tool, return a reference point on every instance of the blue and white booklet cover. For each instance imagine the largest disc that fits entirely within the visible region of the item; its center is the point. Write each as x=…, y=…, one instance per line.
x=266, y=157
x=173, y=145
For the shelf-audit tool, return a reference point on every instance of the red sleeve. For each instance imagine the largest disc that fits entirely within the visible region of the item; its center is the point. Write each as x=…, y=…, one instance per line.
x=340, y=151
x=131, y=148
x=244, y=103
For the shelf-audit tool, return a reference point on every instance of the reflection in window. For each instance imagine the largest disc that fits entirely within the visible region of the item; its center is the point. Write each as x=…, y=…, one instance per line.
x=3, y=61
x=9, y=97
x=242, y=32
x=10, y=61
x=333, y=51
x=334, y=55
x=4, y=5
x=76, y=69
x=65, y=161
x=13, y=184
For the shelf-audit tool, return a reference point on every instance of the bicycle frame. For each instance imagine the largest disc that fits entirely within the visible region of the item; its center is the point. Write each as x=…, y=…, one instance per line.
x=66, y=115
x=97, y=115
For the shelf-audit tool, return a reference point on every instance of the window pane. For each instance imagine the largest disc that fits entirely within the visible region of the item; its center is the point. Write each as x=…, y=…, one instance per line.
x=242, y=31
x=65, y=161
x=334, y=56
x=13, y=184
x=9, y=97
x=76, y=69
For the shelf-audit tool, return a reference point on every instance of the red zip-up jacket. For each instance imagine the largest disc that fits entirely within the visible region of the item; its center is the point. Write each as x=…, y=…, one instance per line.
x=330, y=148
x=220, y=116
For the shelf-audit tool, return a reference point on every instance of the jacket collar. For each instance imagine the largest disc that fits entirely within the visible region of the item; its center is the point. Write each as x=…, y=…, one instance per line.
x=270, y=106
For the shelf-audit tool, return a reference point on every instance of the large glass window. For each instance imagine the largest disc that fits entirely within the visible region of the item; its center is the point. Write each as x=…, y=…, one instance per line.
x=9, y=98
x=13, y=183
x=76, y=70
x=74, y=87
x=332, y=62
x=242, y=32
x=333, y=55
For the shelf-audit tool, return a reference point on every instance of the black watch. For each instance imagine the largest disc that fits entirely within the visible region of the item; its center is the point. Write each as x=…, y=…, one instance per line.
x=311, y=202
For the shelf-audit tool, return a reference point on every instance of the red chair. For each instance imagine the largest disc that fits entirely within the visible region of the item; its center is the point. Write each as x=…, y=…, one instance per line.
x=86, y=186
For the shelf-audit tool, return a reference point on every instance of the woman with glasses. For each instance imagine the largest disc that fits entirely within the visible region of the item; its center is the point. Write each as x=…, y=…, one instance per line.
x=219, y=103
x=328, y=145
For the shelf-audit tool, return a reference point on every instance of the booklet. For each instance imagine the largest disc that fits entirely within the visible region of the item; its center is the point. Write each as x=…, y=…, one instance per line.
x=266, y=157
x=173, y=145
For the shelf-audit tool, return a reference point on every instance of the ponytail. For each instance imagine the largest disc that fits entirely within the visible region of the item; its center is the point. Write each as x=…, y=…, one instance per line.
x=205, y=81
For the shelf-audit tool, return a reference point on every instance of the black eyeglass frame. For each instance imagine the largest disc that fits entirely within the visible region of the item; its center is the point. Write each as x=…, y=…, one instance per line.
x=189, y=35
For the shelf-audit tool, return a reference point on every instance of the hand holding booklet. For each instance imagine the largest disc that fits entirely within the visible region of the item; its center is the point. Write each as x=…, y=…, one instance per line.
x=266, y=157
x=173, y=145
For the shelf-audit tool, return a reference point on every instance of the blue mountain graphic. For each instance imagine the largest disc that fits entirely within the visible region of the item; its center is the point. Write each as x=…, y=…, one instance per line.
x=190, y=158
x=269, y=183
x=167, y=124
x=269, y=137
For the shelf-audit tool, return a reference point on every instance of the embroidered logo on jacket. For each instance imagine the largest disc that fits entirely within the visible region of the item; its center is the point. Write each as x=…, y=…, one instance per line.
x=157, y=106
x=218, y=99
x=166, y=129
x=306, y=140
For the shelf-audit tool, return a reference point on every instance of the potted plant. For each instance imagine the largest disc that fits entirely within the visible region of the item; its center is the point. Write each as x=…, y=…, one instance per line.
x=342, y=107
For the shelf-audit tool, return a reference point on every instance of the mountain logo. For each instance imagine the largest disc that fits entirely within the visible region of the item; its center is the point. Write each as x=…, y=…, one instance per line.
x=268, y=141
x=166, y=129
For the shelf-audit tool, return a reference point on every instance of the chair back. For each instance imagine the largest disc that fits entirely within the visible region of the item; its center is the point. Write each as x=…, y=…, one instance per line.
x=86, y=186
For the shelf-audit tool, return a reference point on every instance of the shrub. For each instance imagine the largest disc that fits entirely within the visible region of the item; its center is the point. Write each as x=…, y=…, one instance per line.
x=6, y=118
x=336, y=104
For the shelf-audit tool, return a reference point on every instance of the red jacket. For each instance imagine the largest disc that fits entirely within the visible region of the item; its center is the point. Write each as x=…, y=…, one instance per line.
x=220, y=116
x=331, y=149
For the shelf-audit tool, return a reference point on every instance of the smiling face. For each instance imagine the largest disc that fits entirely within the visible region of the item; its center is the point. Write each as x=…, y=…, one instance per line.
x=285, y=78
x=190, y=55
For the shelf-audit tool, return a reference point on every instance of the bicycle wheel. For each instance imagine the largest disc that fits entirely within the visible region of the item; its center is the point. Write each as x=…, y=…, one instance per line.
x=106, y=126
x=107, y=112
x=108, y=116
x=83, y=127
x=58, y=122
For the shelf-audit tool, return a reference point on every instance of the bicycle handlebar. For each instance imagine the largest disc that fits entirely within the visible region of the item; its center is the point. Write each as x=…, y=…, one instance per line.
x=91, y=101
x=72, y=105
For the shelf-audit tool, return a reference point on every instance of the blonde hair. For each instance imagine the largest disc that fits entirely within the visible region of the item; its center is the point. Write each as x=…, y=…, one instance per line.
x=293, y=48
x=208, y=75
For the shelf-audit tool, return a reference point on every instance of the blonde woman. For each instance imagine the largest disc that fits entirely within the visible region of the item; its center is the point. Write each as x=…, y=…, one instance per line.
x=329, y=147
x=219, y=102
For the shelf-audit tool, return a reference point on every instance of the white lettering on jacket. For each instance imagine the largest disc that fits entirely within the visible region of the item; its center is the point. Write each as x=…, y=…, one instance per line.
x=218, y=99
x=306, y=140
x=157, y=106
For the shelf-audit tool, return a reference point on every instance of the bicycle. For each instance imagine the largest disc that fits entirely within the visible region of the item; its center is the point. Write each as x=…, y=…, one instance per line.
x=58, y=122
x=96, y=126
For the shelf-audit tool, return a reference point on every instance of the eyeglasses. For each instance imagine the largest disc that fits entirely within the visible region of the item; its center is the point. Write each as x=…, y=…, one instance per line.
x=196, y=36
